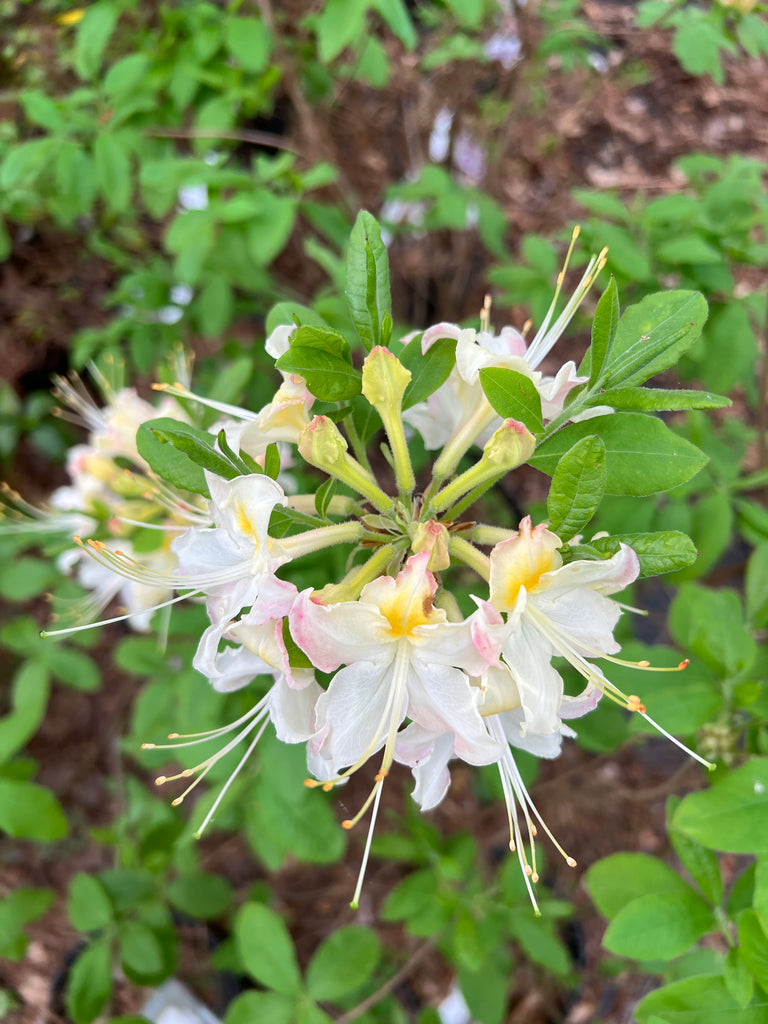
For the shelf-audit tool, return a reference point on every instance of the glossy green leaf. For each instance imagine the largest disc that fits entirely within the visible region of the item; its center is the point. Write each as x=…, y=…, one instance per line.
x=606, y=320
x=658, y=399
x=89, y=907
x=652, y=336
x=513, y=396
x=700, y=863
x=266, y=948
x=643, y=455
x=731, y=815
x=89, y=984
x=428, y=371
x=321, y=337
x=756, y=586
x=173, y=465
x=18, y=908
x=577, y=488
x=658, y=927
x=660, y=552
x=343, y=963
x=200, y=450
x=368, y=294
x=29, y=811
x=329, y=378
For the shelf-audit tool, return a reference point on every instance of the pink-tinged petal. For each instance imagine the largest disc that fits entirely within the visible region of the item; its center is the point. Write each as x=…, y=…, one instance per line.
x=441, y=700
x=293, y=710
x=441, y=330
x=337, y=634
x=584, y=702
x=449, y=643
x=358, y=709
x=554, y=390
x=603, y=577
x=582, y=620
x=521, y=562
x=488, y=630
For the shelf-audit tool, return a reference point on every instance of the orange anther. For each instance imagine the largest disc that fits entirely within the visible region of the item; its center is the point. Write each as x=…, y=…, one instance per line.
x=684, y=664
x=347, y=824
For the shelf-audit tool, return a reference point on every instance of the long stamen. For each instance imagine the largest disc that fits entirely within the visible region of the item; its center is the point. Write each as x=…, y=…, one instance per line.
x=231, y=779
x=179, y=391
x=366, y=852
x=44, y=633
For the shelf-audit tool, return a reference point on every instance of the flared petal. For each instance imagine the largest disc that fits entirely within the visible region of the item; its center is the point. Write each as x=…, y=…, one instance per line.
x=338, y=634
x=293, y=710
x=527, y=653
x=428, y=755
x=359, y=707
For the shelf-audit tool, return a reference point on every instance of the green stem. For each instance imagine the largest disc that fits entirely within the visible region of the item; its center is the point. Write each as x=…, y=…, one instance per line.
x=323, y=537
x=467, y=553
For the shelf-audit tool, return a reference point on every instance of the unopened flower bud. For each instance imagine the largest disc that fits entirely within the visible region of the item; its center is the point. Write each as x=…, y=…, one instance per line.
x=384, y=382
x=322, y=444
x=433, y=537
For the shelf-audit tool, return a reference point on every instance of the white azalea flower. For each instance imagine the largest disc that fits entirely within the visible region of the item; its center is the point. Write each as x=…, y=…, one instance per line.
x=553, y=609
x=403, y=659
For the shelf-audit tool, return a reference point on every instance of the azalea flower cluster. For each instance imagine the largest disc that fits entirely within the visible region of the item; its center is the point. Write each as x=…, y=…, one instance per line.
x=407, y=675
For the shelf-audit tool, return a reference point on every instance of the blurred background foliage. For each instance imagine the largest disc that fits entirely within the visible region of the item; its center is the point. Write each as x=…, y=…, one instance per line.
x=168, y=172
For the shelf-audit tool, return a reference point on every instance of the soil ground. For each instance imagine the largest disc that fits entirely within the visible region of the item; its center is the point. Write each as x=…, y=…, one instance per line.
x=586, y=132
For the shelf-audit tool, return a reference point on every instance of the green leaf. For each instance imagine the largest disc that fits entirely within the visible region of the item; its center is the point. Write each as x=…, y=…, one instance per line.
x=700, y=999
x=642, y=454
x=485, y=991
x=756, y=586
x=753, y=944
x=578, y=486
x=616, y=881
x=652, y=336
x=513, y=396
x=607, y=314
x=368, y=294
x=428, y=371
x=72, y=667
x=700, y=863
x=710, y=622
x=126, y=74
x=93, y=34
x=190, y=237
x=395, y=14
x=341, y=23
x=738, y=980
x=29, y=811
x=692, y=248
x=200, y=895
x=733, y=814
x=343, y=963
x=266, y=948
x=89, y=985
x=261, y=1008
x=41, y=110
x=287, y=313
x=665, y=551
x=658, y=399
x=113, y=171
x=199, y=449
x=321, y=337
x=23, y=578
x=658, y=927
x=328, y=377
x=248, y=41
x=89, y=907
x=270, y=227
x=20, y=907
x=697, y=45
x=141, y=954
x=30, y=689
x=167, y=461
